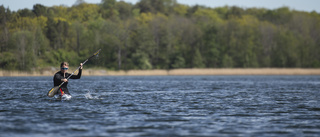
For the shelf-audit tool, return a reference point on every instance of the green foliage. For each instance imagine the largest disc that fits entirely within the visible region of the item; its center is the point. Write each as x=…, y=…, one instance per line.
x=125, y=10
x=180, y=10
x=197, y=60
x=158, y=34
x=58, y=56
x=227, y=61
x=179, y=62
x=8, y=61
x=23, y=43
x=141, y=60
x=39, y=10
x=156, y=6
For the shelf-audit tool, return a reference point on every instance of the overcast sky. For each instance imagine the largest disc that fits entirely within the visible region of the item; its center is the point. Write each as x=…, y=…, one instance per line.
x=301, y=5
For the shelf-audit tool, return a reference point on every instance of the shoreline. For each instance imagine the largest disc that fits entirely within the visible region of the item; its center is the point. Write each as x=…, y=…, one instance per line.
x=173, y=72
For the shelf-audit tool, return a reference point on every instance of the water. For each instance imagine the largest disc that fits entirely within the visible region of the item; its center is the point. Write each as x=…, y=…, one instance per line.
x=163, y=106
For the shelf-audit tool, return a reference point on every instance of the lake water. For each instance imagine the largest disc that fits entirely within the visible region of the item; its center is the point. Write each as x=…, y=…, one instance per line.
x=163, y=106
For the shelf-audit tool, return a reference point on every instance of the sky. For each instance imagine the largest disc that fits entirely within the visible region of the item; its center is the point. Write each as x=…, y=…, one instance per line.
x=301, y=5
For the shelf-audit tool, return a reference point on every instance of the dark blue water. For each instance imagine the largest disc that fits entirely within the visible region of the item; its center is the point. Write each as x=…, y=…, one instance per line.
x=163, y=106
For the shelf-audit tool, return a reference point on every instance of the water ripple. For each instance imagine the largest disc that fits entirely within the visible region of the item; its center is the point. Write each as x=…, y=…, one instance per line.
x=163, y=106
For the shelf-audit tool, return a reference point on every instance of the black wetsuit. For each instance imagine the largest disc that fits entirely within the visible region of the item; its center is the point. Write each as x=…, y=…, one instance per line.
x=57, y=80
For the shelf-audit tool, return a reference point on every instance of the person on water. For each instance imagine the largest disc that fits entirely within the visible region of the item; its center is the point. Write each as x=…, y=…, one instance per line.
x=62, y=76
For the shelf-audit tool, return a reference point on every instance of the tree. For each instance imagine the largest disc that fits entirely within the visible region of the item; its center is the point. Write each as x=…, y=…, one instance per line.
x=280, y=16
x=141, y=60
x=227, y=61
x=234, y=11
x=79, y=30
x=8, y=61
x=24, y=45
x=179, y=62
x=108, y=9
x=51, y=32
x=267, y=39
x=144, y=46
x=39, y=10
x=124, y=9
x=41, y=43
x=180, y=10
x=156, y=6
x=57, y=32
x=158, y=34
x=83, y=12
x=4, y=32
x=285, y=50
x=197, y=61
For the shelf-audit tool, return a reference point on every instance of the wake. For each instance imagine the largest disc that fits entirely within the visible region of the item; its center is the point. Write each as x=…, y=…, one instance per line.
x=64, y=97
x=91, y=95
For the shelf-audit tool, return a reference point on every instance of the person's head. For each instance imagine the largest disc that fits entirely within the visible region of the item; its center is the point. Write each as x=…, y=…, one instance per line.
x=64, y=66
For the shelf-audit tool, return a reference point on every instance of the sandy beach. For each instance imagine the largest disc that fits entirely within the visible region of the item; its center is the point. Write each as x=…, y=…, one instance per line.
x=223, y=71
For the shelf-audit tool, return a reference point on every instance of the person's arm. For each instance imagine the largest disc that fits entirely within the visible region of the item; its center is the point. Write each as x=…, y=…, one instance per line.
x=77, y=76
x=58, y=78
x=79, y=73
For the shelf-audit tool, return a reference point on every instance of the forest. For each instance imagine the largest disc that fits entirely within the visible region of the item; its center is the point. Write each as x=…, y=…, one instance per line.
x=158, y=34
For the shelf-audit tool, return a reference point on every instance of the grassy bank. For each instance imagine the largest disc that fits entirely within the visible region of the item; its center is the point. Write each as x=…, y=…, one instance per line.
x=224, y=71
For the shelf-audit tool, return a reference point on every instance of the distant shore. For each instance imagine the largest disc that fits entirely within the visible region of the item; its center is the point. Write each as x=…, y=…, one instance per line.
x=222, y=71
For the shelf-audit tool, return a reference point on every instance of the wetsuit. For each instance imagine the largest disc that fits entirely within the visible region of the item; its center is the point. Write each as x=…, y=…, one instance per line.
x=57, y=81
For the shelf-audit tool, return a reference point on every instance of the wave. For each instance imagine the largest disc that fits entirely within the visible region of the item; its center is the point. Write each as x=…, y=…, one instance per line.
x=91, y=95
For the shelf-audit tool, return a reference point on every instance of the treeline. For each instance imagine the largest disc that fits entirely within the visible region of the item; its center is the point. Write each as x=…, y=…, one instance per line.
x=158, y=34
